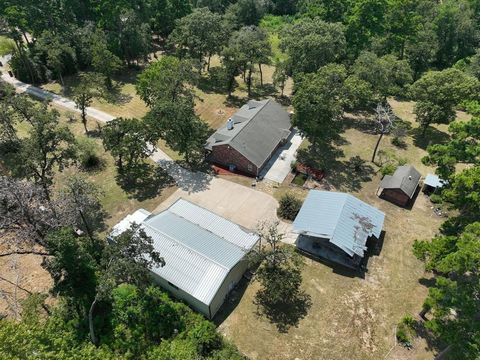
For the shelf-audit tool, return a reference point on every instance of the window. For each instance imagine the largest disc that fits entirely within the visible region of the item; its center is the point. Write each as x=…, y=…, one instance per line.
x=173, y=286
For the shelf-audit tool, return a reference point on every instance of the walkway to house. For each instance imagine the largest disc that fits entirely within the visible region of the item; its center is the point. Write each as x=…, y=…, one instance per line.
x=279, y=165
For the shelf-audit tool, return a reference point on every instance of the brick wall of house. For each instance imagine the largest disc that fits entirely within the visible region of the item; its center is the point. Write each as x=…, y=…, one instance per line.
x=395, y=196
x=226, y=155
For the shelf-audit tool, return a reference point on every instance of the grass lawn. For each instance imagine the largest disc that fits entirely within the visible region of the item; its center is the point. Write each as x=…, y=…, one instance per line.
x=211, y=104
x=116, y=201
x=299, y=179
x=6, y=45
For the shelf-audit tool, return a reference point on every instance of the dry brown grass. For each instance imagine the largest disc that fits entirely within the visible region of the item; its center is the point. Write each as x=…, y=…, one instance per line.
x=352, y=317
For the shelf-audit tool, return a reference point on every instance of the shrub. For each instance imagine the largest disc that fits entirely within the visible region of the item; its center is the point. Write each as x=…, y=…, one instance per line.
x=402, y=161
x=205, y=337
x=289, y=206
x=88, y=154
x=293, y=165
x=406, y=330
x=388, y=169
x=436, y=198
x=402, y=335
x=398, y=142
x=409, y=321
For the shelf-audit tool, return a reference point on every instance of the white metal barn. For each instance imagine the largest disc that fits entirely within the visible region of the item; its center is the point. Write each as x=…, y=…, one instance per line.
x=204, y=253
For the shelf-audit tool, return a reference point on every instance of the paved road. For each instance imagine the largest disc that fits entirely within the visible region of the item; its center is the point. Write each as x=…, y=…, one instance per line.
x=55, y=99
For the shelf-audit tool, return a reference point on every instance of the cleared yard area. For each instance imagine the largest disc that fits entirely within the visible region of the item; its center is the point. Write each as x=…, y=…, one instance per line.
x=211, y=103
x=345, y=309
x=351, y=317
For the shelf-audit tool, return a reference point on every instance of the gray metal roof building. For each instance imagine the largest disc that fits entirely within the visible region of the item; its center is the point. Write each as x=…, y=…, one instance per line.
x=405, y=178
x=203, y=253
x=344, y=220
x=255, y=130
x=434, y=181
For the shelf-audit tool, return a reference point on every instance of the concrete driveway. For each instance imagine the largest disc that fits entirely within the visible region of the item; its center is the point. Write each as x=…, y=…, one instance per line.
x=279, y=165
x=240, y=204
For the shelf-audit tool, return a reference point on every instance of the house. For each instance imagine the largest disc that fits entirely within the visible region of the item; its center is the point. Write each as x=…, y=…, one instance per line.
x=400, y=187
x=336, y=226
x=250, y=137
x=204, y=253
x=432, y=183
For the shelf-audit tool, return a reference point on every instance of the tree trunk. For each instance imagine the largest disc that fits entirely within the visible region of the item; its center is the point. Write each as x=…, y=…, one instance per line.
x=424, y=130
x=26, y=38
x=402, y=50
x=25, y=61
x=261, y=74
x=87, y=228
x=93, y=337
x=108, y=81
x=120, y=164
x=249, y=82
x=84, y=119
x=376, y=148
x=443, y=353
x=61, y=81
x=46, y=191
x=208, y=62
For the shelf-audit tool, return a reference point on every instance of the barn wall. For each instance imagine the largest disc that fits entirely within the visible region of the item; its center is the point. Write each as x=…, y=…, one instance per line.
x=233, y=277
x=395, y=196
x=182, y=295
x=226, y=155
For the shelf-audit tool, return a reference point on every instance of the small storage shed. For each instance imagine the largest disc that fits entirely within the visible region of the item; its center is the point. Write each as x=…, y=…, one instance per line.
x=432, y=183
x=400, y=187
x=336, y=226
x=204, y=253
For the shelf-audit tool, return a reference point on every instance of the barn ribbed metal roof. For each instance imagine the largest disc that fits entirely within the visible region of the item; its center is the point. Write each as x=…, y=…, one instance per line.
x=199, y=247
x=341, y=218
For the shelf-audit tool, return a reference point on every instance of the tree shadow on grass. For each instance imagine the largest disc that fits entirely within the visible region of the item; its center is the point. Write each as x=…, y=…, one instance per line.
x=261, y=91
x=144, y=181
x=432, y=136
x=235, y=101
x=115, y=96
x=213, y=82
x=364, y=124
x=285, y=314
x=344, y=175
x=283, y=100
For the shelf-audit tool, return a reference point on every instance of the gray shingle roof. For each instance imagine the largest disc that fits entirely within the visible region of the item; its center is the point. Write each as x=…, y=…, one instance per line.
x=405, y=178
x=341, y=218
x=259, y=126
